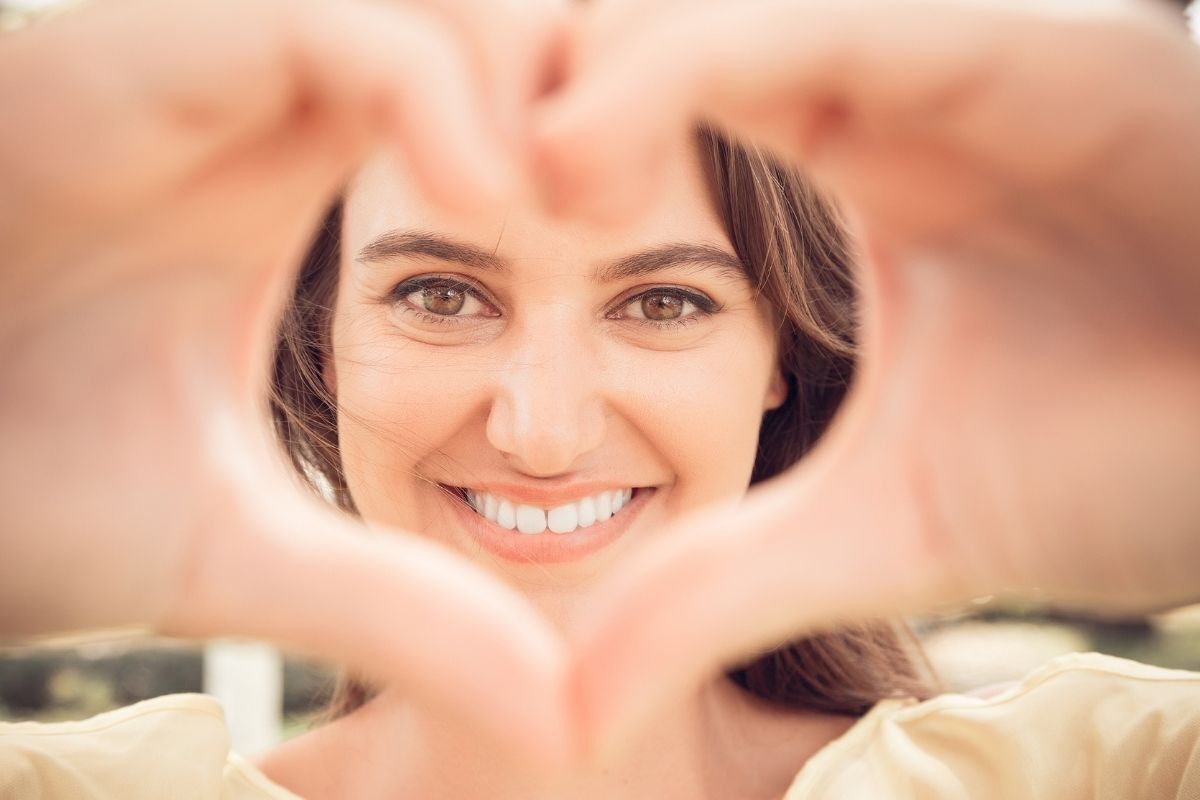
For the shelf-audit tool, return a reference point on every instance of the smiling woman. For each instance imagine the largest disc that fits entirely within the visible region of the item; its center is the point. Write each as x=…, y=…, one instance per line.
x=542, y=397
x=535, y=414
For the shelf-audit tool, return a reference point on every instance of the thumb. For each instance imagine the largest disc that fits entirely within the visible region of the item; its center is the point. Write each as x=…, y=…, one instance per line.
x=837, y=540
x=280, y=566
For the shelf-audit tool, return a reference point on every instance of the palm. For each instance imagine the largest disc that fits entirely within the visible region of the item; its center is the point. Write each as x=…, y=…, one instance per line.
x=1027, y=380
x=1021, y=411
x=140, y=305
x=1026, y=336
x=156, y=277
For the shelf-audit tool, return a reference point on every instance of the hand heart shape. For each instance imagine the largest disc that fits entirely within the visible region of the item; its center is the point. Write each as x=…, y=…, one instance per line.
x=1028, y=277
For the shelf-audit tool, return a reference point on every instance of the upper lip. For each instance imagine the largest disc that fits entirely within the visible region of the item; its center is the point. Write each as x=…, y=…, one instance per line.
x=548, y=498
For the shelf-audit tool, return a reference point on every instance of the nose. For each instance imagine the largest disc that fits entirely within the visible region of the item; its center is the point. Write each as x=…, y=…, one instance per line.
x=547, y=412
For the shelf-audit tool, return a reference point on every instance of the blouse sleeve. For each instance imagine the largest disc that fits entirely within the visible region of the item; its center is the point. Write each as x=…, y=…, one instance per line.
x=169, y=747
x=1082, y=726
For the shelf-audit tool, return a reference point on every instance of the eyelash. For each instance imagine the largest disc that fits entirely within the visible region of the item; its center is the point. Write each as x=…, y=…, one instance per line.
x=403, y=289
x=705, y=306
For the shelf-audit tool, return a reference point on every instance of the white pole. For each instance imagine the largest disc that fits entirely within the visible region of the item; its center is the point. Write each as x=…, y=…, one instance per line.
x=247, y=679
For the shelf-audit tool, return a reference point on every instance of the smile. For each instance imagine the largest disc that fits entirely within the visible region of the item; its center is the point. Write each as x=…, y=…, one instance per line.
x=563, y=518
x=543, y=527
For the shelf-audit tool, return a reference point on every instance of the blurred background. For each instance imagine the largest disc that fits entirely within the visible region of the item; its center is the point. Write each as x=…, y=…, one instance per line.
x=268, y=697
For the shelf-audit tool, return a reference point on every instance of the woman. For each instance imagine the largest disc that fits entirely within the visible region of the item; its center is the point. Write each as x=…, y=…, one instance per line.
x=494, y=384
x=543, y=403
x=497, y=385
x=490, y=433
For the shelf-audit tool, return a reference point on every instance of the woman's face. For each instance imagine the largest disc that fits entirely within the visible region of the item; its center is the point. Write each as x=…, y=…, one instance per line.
x=581, y=388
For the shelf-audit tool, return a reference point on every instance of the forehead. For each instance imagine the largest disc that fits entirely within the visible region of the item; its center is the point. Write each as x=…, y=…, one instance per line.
x=384, y=198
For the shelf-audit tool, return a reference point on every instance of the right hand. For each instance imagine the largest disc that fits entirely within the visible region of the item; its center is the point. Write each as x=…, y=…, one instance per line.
x=1025, y=414
x=165, y=165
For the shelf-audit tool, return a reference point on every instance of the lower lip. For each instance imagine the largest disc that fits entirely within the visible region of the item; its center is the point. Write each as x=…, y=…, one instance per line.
x=549, y=547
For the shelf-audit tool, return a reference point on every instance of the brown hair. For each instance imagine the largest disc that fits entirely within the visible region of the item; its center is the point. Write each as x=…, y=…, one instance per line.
x=797, y=255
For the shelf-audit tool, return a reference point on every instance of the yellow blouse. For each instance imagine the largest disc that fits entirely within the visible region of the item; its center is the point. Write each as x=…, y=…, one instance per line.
x=169, y=748
x=1082, y=726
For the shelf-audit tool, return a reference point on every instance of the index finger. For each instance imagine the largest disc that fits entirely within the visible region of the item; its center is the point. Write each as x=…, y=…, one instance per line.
x=793, y=75
x=832, y=542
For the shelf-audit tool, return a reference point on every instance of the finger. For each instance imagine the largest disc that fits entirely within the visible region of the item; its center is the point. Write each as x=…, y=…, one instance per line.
x=800, y=76
x=603, y=25
x=187, y=82
x=408, y=65
x=708, y=60
x=517, y=45
x=841, y=541
x=279, y=566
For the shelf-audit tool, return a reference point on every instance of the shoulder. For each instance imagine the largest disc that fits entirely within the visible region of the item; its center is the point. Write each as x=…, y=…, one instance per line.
x=175, y=746
x=1075, y=721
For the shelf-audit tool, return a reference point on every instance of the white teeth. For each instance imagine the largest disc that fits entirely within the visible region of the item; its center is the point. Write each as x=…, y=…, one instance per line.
x=604, y=508
x=587, y=512
x=530, y=519
x=506, y=515
x=564, y=518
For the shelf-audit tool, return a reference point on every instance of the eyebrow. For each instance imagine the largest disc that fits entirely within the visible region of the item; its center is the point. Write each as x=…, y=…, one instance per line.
x=424, y=244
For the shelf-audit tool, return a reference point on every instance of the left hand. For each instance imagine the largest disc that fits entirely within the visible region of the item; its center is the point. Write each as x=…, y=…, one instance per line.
x=1025, y=413
x=164, y=170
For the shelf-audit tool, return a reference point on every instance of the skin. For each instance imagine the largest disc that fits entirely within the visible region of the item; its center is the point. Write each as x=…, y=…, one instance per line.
x=1023, y=419
x=544, y=389
x=556, y=380
x=151, y=222
x=1039, y=286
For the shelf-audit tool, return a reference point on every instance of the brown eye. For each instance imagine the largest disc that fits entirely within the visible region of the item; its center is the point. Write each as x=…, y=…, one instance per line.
x=443, y=300
x=437, y=298
x=661, y=307
x=664, y=307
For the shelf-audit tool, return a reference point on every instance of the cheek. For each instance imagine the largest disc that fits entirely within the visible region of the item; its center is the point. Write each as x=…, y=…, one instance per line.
x=696, y=413
x=701, y=412
x=398, y=402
